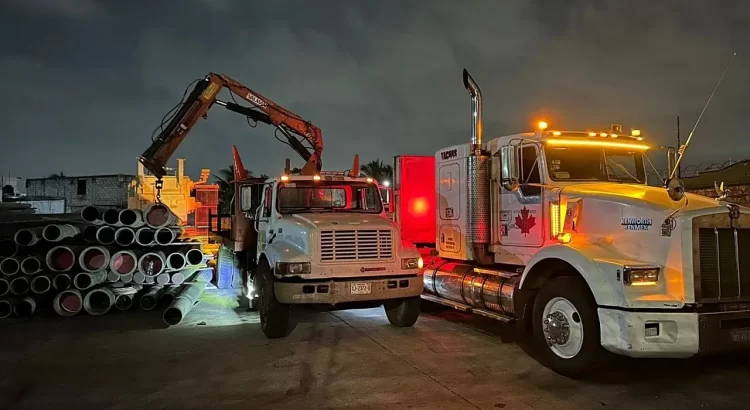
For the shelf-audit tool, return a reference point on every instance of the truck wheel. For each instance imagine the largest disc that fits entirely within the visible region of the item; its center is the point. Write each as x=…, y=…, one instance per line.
x=275, y=317
x=566, y=326
x=403, y=312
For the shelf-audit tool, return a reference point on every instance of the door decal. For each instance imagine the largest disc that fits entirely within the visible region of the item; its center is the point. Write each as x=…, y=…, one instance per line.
x=525, y=221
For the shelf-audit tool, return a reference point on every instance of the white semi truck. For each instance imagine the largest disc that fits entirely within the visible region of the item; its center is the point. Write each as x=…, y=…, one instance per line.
x=559, y=232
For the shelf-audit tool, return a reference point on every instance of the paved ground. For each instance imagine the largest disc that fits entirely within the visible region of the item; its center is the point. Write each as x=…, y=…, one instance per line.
x=219, y=359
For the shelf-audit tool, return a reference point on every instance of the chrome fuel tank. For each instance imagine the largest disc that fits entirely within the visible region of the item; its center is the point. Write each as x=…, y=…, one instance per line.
x=473, y=286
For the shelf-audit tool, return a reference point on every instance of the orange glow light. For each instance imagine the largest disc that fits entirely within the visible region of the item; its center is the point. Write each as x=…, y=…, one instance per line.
x=284, y=178
x=600, y=143
x=564, y=237
x=418, y=207
x=542, y=125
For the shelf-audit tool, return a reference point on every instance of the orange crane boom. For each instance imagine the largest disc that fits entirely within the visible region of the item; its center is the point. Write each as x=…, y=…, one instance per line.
x=202, y=98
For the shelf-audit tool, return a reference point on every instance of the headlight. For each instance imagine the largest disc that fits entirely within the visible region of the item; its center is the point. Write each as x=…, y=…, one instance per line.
x=641, y=276
x=412, y=263
x=293, y=268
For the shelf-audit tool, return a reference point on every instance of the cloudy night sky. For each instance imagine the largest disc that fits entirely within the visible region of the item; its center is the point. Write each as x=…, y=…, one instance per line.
x=86, y=81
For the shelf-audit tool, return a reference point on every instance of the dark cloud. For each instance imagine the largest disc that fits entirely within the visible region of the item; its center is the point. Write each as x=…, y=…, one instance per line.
x=87, y=81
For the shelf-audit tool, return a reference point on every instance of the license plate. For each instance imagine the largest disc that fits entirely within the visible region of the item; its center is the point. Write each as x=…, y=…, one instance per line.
x=740, y=335
x=361, y=288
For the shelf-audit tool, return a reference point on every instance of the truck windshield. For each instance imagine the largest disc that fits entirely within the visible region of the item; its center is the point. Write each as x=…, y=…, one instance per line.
x=328, y=196
x=595, y=164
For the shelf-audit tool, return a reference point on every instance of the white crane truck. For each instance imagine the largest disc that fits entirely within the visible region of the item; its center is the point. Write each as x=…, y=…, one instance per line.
x=559, y=232
x=325, y=240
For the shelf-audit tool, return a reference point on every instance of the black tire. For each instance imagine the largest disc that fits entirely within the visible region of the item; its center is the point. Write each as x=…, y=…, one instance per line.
x=575, y=291
x=275, y=317
x=403, y=312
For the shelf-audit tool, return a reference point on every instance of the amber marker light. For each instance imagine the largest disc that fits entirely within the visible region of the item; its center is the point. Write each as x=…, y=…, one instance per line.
x=600, y=143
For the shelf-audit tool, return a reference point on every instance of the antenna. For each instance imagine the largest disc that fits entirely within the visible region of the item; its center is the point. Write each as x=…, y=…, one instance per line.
x=682, y=150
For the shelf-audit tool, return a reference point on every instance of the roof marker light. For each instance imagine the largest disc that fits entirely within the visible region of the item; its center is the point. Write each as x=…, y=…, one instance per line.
x=542, y=125
x=556, y=133
x=598, y=143
x=316, y=177
x=592, y=134
x=603, y=134
x=284, y=178
x=639, y=138
x=635, y=133
x=369, y=179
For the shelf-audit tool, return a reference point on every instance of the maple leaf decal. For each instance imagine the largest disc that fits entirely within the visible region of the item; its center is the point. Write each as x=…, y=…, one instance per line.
x=525, y=222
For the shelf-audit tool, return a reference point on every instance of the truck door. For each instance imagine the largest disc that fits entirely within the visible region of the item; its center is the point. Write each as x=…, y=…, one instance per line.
x=246, y=215
x=263, y=223
x=521, y=211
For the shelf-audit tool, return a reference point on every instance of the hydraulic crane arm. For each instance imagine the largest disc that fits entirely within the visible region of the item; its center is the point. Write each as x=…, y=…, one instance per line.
x=202, y=98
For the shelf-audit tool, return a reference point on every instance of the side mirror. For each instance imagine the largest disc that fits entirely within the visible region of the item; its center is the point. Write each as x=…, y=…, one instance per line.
x=675, y=189
x=246, y=198
x=510, y=168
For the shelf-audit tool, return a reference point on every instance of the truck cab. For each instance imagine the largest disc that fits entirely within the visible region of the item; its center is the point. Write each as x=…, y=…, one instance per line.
x=326, y=240
x=559, y=232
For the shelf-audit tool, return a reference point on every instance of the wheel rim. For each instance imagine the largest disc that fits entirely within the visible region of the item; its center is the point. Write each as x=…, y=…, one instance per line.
x=562, y=327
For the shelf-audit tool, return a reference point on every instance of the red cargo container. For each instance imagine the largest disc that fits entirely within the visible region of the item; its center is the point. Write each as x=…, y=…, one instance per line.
x=414, y=197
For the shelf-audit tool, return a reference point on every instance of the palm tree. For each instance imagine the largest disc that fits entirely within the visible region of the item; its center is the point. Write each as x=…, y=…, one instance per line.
x=378, y=170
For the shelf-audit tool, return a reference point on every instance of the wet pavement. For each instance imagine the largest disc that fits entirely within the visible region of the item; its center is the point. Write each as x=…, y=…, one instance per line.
x=218, y=358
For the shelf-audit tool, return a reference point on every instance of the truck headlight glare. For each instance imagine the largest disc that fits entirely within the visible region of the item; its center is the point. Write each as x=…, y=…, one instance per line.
x=641, y=276
x=410, y=263
x=293, y=268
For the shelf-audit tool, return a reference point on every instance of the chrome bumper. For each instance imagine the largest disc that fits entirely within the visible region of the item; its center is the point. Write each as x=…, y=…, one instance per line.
x=340, y=290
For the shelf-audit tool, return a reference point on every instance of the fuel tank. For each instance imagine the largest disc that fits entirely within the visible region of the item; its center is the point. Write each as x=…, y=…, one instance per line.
x=470, y=285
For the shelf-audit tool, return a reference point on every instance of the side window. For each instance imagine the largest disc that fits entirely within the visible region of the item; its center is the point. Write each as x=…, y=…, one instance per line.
x=81, y=187
x=530, y=171
x=267, y=204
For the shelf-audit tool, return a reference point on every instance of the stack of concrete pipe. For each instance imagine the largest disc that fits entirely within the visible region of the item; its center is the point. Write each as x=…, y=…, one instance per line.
x=115, y=260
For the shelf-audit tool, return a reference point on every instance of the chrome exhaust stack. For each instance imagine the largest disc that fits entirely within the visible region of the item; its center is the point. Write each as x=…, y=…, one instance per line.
x=478, y=232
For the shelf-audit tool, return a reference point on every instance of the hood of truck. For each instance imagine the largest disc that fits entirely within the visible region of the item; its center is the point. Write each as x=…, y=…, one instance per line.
x=341, y=220
x=643, y=196
x=628, y=224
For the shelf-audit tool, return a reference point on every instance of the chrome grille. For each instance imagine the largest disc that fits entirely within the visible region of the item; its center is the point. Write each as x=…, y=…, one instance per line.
x=356, y=245
x=724, y=263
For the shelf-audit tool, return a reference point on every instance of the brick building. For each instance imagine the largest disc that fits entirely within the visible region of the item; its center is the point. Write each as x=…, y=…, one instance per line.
x=78, y=192
x=736, y=178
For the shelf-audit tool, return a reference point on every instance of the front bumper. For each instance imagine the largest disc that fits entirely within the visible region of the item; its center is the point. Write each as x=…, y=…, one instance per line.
x=673, y=334
x=340, y=290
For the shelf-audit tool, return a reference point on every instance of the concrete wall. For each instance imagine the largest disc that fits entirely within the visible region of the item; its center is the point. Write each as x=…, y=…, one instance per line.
x=47, y=206
x=79, y=192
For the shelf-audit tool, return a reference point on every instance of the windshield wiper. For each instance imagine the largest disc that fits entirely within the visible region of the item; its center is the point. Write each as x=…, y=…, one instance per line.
x=622, y=168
